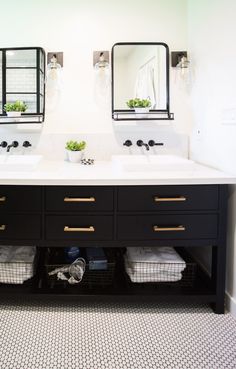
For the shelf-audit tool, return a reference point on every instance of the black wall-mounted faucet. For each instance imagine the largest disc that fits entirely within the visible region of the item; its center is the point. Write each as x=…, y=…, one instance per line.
x=140, y=143
x=127, y=143
x=13, y=144
x=152, y=143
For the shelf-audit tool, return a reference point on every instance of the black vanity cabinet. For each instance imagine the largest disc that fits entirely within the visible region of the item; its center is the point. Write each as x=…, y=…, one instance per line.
x=20, y=214
x=182, y=216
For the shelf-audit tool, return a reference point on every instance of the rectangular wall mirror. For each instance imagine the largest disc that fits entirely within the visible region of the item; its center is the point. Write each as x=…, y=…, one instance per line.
x=22, y=78
x=140, y=70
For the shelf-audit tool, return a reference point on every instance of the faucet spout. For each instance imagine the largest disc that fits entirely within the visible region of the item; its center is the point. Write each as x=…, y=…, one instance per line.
x=140, y=143
x=13, y=144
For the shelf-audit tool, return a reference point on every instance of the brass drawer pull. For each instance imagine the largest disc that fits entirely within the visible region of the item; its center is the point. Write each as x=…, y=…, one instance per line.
x=169, y=229
x=79, y=199
x=3, y=198
x=2, y=227
x=79, y=229
x=169, y=199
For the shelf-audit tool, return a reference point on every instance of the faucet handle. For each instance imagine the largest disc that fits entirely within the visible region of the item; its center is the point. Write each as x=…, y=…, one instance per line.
x=152, y=143
x=127, y=143
x=26, y=144
x=3, y=144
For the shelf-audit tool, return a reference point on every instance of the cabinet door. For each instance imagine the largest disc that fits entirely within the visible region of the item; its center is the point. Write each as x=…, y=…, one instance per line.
x=79, y=227
x=20, y=199
x=157, y=198
x=159, y=227
x=79, y=198
x=25, y=227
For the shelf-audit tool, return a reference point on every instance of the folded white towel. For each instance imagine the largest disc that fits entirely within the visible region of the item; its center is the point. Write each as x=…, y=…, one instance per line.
x=163, y=254
x=155, y=264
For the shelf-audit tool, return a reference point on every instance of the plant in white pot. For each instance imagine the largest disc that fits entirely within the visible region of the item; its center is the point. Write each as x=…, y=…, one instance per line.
x=141, y=106
x=15, y=109
x=75, y=150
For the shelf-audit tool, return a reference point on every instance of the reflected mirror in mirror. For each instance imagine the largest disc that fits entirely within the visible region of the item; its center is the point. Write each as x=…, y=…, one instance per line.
x=140, y=70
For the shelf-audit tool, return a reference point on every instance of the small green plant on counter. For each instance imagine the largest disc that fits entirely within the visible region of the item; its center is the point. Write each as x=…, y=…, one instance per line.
x=138, y=103
x=75, y=145
x=19, y=106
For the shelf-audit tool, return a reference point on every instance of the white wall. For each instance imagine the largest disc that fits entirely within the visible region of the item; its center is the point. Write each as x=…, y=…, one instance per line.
x=79, y=27
x=212, y=29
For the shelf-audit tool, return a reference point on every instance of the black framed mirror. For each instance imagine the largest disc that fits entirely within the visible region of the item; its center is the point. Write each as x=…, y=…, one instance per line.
x=140, y=72
x=22, y=80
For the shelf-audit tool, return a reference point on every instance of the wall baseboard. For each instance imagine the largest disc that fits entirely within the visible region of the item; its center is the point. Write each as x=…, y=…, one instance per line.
x=231, y=304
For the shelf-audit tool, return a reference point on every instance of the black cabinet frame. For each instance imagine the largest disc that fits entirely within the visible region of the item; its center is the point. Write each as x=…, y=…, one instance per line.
x=207, y=290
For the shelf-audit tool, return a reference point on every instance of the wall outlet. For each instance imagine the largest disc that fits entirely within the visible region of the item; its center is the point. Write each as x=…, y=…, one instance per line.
x=228, y=117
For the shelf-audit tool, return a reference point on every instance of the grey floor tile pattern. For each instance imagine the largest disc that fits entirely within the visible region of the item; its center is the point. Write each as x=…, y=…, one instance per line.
x=54, y=335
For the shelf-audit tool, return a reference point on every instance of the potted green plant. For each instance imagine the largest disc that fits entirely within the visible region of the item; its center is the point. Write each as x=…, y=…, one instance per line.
x=15, y=109
x=141, y=106
x=75, y=150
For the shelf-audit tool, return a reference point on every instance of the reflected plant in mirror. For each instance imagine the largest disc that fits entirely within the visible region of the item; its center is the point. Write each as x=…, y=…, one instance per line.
x=15, y=109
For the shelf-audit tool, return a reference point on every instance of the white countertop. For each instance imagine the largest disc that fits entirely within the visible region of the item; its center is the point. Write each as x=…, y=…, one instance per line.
x=59, y=172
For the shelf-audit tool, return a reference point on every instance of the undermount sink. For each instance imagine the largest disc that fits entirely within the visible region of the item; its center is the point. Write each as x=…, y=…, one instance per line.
x=19, y=162
x=151, y=163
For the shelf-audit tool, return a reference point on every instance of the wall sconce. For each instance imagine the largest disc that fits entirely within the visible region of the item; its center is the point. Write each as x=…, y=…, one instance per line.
x=54, y=60
x=53, y=83
x=101, y=60
x=179, y=60
x=102, y=78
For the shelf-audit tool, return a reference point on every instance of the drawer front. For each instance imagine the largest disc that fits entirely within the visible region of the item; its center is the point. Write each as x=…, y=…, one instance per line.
x=155, y=198
x=15, y=226
x=20, y=199
x=76, y=198
x=161, y=227
x=79, y=227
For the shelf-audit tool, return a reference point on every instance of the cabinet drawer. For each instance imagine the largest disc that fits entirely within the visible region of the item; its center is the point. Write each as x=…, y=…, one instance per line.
x=153, y=198
x=76, y=198
x=161, y=227
x=15, y=226
x=76, y=227
x=20, y=199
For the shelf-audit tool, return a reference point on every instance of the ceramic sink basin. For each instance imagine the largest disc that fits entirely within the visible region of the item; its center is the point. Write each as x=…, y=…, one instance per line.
x=151, y=163
x=19, y=162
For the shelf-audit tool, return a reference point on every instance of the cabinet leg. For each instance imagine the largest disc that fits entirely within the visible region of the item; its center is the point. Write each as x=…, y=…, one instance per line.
x=219, y=307
x=218, y=277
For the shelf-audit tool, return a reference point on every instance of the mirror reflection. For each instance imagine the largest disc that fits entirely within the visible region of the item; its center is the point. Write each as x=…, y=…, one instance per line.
x=140, y=71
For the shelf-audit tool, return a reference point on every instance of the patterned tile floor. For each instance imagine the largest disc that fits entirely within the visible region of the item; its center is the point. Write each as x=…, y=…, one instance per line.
x=36, y=335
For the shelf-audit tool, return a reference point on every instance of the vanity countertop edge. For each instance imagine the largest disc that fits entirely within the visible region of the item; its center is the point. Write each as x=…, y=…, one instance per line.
x=103, y=173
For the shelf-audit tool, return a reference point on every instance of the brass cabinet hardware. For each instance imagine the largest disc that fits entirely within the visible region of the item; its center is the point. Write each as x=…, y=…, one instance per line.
x=3, y=198
x=168, y=228
x=2, y=227
x=79, y=229
x=79, y=199
x=169, y=199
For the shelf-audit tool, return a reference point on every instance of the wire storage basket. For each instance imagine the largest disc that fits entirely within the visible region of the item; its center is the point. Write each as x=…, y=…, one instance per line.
x=90, y=278
x=18, y=265
x=156, y=273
